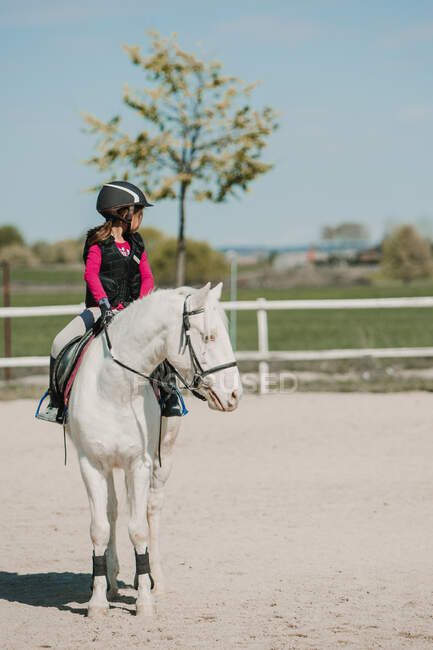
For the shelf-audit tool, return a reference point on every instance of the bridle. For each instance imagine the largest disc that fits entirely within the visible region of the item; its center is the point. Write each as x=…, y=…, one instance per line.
x=198, y=372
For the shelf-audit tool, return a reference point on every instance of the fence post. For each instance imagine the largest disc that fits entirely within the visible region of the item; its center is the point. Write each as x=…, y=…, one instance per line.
x=7, y=303
x=262, y=328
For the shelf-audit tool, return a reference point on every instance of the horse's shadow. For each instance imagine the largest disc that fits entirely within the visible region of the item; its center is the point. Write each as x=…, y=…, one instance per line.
x=51, y=590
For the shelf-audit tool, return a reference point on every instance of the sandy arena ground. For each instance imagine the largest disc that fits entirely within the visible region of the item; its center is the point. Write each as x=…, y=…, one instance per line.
x=299, y=521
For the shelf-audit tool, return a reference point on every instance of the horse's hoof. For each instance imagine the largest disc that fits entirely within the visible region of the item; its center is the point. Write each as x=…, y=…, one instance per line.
x=145, y=609
x=97, y=611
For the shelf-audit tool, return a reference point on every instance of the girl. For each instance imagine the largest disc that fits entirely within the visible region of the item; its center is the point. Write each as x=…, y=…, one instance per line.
x=117, y=272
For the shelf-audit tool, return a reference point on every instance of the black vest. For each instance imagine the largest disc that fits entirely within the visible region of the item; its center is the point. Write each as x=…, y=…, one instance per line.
x=120, y=275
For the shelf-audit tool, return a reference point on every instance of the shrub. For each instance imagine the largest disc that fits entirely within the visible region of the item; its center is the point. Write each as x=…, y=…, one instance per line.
x=10, y=235
x=66, y=251
x=203, y=263
x=406, y=256
x=19, y=255
x=152, y=238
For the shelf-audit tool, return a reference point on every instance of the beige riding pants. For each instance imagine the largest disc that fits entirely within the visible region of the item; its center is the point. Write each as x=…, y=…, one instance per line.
x=77, y=327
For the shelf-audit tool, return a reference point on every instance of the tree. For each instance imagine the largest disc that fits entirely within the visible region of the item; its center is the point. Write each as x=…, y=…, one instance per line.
x=10, y=235
x=406, y=256
x=201, y=136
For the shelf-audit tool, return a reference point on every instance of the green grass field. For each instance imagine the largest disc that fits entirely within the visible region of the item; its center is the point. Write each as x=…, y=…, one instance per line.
x=288, y=330
x=325, y=329
x=46, y=275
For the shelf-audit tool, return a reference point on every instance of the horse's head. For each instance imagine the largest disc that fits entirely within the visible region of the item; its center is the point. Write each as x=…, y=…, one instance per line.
x=200, y=348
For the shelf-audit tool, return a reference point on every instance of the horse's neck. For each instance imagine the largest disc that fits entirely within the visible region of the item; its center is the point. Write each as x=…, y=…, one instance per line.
x=139, y=335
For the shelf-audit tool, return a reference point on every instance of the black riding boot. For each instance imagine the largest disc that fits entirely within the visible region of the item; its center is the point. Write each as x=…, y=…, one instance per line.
x=170, y=403
x=53, y=412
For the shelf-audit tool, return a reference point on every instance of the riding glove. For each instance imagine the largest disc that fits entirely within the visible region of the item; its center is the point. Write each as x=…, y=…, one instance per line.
x=106, y=310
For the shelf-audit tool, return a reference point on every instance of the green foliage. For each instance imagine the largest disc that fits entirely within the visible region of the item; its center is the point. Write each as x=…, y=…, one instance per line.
x=200, y=133
x=202, y=130
x=152, y=238
x=406, y=256
x=65, y=251
x=10, y=235
x=68, y=251
x=19, y=255
x=203, y=264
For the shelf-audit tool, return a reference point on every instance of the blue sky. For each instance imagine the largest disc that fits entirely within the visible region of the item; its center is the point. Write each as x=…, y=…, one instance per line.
x=352, y=81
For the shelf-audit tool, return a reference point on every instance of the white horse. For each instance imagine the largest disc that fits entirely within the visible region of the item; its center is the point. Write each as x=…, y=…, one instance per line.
x=114, y=421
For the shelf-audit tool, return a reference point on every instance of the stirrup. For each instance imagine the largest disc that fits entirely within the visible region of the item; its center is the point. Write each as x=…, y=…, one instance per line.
x=173, y=405
x=49, y=413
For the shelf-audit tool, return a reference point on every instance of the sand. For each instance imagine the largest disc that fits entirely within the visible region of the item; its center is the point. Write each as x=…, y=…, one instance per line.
x=299, y=521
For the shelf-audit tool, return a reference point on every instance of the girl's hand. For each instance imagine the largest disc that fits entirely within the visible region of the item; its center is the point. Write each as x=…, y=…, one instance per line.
x=106, y=310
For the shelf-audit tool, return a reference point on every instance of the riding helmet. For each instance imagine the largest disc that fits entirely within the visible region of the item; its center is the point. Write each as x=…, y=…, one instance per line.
x=120, y=194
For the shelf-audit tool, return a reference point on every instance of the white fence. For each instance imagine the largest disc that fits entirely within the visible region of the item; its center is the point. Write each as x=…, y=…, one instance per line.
x=263, y=355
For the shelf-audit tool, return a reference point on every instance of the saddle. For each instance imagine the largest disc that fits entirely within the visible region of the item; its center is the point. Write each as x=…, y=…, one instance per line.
x=68, y=361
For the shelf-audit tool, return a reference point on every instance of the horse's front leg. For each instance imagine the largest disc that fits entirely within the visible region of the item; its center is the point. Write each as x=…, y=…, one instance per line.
x=112, y=560
x=160, y=474
x=96, y=485
x=137, y=485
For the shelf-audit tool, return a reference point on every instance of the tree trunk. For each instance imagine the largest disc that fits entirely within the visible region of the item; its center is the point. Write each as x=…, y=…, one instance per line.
x=180, y=255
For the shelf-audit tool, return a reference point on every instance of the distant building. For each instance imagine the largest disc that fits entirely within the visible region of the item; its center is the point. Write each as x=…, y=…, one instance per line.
x=290, y=260
x=285, y=258
x=247, y=257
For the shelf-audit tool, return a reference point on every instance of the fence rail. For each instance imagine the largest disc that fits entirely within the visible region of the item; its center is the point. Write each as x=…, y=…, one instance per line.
x=263, y=355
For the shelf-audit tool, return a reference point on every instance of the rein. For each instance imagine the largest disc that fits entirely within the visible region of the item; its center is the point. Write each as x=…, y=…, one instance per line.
x=199, y=373
x=151, y=379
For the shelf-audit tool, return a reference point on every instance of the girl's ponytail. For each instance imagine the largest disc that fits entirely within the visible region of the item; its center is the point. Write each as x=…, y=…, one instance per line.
x=101, y=233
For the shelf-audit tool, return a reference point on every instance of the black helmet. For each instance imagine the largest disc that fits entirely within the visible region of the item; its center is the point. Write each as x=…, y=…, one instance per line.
x=120, y=194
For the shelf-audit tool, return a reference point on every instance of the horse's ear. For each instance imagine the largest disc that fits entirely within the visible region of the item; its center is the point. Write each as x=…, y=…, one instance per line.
x=198, y=299
x=216, y=291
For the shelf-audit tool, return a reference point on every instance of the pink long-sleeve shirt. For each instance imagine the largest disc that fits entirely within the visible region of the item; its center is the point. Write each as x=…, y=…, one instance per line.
x=93, y=266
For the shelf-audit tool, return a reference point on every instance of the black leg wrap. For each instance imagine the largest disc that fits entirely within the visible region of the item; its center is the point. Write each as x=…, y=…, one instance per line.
x=142, y=566
x=100, y=568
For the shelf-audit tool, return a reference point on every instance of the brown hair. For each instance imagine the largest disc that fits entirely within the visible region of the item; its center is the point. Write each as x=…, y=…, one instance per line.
x=100, y=233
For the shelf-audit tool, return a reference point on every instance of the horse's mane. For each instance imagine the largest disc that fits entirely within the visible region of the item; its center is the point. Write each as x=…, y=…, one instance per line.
x=139, y=307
